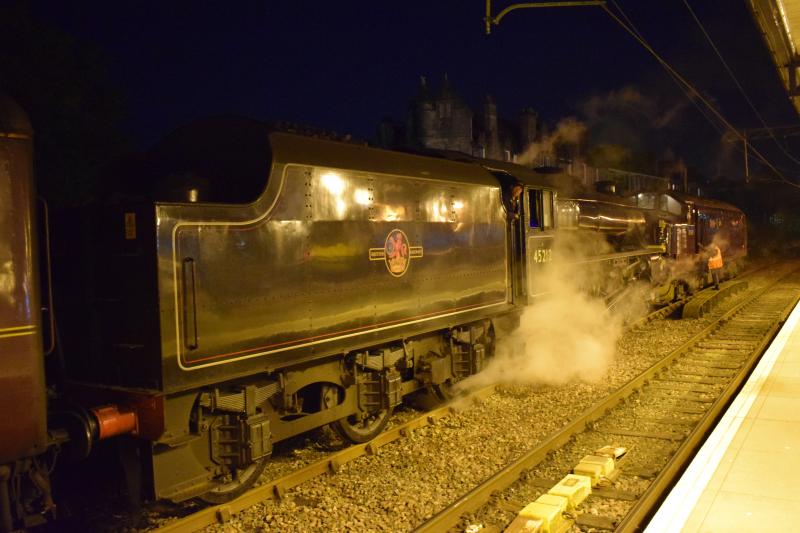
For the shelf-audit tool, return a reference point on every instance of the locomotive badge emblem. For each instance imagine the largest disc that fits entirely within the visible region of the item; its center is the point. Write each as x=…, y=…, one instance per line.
x=396, y=253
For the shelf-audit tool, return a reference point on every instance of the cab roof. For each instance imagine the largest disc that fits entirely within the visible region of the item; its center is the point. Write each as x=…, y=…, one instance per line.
x=703, y=202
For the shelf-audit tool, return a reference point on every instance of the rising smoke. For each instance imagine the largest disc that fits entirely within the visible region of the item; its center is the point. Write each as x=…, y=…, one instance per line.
x=569, y=131
x=571, y=331
x=691, y=268
x=568, y=333
x=619, y=129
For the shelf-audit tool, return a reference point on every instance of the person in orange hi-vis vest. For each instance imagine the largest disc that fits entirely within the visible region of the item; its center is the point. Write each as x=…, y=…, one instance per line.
x=715, y=263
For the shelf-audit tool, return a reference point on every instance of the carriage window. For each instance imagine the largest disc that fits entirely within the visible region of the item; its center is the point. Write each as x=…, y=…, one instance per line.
x=567, y=214
x=540, y=207
x=547, y=209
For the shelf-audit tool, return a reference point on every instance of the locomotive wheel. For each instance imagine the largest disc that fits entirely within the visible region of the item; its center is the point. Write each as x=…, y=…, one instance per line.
x=356, y=430
x=681, y=291
x=234, y=485
x=433, y=396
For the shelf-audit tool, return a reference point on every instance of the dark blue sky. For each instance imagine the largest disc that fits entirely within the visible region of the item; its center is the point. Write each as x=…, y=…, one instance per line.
x=344, y=65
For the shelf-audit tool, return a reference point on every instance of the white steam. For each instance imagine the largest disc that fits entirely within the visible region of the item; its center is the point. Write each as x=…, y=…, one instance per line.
x=629, y=102
x=568, y=333
x=689, y=268
x=569, y=131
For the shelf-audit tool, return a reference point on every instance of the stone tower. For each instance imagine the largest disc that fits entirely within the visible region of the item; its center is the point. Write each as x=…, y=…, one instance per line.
x=491, y=129
x=443, y=122
x=528, y=121
x=422, y=116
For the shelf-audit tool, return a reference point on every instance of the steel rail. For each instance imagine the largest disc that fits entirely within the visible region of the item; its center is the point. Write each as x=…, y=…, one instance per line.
x=654, y=494
x=473, y=500
x=668, y=309
x=276, y=489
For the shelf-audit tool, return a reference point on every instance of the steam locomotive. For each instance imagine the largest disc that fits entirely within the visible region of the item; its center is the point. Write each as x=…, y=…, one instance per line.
x=241, y=286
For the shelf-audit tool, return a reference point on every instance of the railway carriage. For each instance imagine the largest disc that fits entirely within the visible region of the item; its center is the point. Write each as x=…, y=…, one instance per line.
x=23, y=421
x=684, y=226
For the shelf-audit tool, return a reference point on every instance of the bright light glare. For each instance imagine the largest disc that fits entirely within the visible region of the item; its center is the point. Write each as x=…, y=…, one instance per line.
x=458, y=204
x=333, y=182
x=362, y=196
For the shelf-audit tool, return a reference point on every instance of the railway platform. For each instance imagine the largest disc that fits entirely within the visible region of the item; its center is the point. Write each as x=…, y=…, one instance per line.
x=744, y=478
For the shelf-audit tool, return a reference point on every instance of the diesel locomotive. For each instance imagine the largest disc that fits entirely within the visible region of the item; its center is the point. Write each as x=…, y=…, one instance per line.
x=242, y=286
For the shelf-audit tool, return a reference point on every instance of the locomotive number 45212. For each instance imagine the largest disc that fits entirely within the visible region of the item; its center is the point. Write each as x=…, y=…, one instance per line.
x=543, y=255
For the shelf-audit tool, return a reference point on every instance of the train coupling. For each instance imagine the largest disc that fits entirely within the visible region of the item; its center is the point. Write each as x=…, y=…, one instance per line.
x=76, y=429
x=112, y=421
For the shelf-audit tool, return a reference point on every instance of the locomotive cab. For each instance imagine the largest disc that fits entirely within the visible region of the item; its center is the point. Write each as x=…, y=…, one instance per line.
x=540, y=225
x=530, y=204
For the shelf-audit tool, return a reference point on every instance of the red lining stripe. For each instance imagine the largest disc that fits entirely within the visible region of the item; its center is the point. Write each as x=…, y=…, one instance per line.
x=299, y=341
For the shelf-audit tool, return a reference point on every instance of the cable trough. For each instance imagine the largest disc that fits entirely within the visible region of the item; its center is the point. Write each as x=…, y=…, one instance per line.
x=657, y=420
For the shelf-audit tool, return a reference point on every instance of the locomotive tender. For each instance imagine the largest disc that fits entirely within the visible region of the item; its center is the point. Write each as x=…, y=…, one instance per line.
x=212, y=325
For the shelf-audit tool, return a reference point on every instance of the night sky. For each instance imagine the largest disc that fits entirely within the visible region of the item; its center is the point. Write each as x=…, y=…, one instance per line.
x=343, y=66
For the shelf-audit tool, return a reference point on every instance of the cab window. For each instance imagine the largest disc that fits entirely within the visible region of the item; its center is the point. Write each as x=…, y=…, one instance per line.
x=540, y=207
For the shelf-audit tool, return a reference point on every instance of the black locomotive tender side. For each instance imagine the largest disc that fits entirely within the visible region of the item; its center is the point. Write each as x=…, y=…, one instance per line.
x=271, y=283
x=349, y=279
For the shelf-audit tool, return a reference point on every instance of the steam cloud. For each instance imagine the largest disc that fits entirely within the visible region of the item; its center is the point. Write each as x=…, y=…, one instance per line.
x=568, y=131
x=619, y=129
x=568, y=333
x=688, y=267
x=630, y=105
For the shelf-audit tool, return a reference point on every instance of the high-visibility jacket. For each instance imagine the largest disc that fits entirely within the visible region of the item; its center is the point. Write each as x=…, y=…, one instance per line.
x=716, y=260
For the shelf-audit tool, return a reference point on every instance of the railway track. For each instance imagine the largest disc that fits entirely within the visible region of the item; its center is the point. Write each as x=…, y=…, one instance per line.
x=277, y=488
x=660, y=418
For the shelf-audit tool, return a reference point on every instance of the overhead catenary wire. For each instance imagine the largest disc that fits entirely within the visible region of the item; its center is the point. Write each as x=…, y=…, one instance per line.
x=695, y=93
x=714, y=124
x=737, y=83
